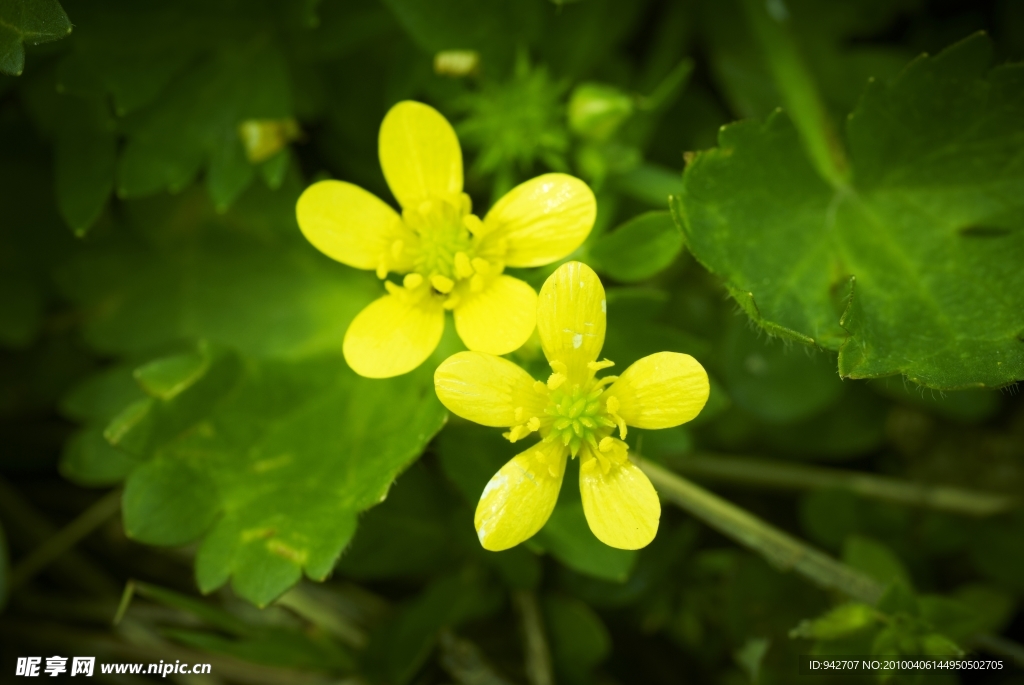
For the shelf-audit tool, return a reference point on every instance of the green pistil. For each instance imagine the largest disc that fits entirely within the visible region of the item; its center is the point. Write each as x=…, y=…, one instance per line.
x=578, y=417
x=442, y=236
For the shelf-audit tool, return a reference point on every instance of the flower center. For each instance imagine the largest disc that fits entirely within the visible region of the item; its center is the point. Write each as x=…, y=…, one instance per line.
x=449, y=251
x=442, y=236
x=578, y=415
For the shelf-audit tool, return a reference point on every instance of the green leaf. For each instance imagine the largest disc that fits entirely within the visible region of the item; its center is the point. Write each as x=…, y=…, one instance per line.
x=401, y=646
x=751, y=656
x=147, y=424
x=840, y=622
x=579, y=639
x=973, y=609
x=280, y=298
x=774, y=382
x=89, y=460
x=639, y=249
x=28, y=21
x=899, y=600
x=912, y=269
x=876, y=560
x=275, y=468
x=405, y=536
x=86, y=154
x=197, y=124
x=649, y=183
x=131, y=51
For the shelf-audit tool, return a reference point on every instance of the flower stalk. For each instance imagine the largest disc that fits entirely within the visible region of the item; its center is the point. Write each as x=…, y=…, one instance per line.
x=780, y=549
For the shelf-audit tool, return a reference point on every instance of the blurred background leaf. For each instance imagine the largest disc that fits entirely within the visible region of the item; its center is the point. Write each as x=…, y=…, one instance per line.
x=166, y=329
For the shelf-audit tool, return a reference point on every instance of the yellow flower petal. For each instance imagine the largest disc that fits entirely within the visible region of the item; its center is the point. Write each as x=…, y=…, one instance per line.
x=621, y=506
x=487, y=389
x=353, y=226
x=542, y=220
x=661, y=391
x=518, y=500
x=393, y=335
x=571, y=317
x=498, y=319
x=420, y=154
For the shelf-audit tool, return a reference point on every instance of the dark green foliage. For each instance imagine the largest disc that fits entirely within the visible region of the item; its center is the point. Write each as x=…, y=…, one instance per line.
x=791, y=192
x=28, y=21
x=928, y=228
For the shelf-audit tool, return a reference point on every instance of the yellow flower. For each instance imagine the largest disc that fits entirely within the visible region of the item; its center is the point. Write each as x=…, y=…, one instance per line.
x=452, y=259
x=574, y=413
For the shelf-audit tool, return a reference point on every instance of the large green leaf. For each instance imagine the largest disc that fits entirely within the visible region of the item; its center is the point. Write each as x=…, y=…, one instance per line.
x=28, y=21
x=181, y=78
x=639, y=249
x=269, y=463
x=912, y=268
x=280, y=298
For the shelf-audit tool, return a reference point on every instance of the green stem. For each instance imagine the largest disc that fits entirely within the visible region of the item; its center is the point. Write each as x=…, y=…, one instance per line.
x=320, y=613
x=780, y=549
x=786, y=552
x=789, y=476
x=66, y=538
x=538, y=657
x=464, y=661
x=26, y=525
x=799, y=93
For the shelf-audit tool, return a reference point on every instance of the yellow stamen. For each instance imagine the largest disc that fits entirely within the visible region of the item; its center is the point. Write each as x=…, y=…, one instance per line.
x=442, y=284
x=463, y=267
x=472, y=223
x=481, y=266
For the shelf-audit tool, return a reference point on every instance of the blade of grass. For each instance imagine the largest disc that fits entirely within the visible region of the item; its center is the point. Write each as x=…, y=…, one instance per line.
x=66, y=538
x=799, y=93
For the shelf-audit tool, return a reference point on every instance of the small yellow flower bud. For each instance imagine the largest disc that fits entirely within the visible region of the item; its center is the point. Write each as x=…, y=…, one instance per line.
x=457, y=63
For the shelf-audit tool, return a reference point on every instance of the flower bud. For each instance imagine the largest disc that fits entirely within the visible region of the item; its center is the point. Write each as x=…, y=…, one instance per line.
x=597, y=110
